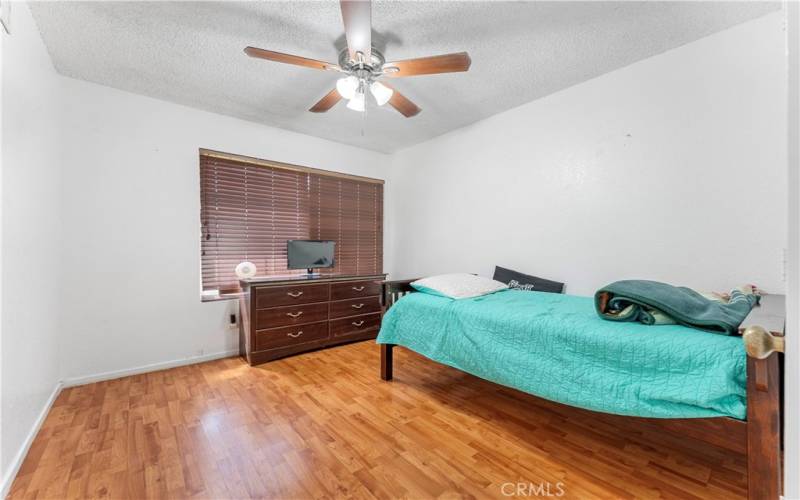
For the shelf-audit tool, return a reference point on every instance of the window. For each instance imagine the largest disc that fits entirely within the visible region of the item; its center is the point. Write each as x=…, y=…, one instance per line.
x=249, y=208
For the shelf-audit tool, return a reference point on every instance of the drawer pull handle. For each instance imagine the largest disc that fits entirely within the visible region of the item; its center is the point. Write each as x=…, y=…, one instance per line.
x=294, y=294
x=356, y=306
x=295, y=335
x=358, y=288
x=295, y=315
x=358, y=323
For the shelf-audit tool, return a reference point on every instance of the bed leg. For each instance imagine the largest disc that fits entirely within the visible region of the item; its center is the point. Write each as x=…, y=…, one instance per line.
x=763, y=429
x=386, y=361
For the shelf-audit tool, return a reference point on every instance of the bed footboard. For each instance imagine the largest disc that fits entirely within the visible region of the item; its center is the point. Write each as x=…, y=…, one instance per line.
x=763, y=337
x=763, y=429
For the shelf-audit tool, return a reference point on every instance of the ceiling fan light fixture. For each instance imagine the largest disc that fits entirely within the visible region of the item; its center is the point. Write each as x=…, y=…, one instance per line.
x=357, y=102
x=347, y=86
x=361, y=64
x=381, y=93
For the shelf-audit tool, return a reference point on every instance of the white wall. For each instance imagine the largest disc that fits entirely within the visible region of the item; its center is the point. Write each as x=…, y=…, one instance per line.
x=131, y=211
x=671, y=169
x=792, y=359
x=4, y=470
x=31, y=242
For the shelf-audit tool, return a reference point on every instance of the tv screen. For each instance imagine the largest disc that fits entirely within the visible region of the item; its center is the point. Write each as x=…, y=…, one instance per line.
x=308, y=254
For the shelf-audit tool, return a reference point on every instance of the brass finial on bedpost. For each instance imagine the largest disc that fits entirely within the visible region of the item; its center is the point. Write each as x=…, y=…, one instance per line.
x=759, y=343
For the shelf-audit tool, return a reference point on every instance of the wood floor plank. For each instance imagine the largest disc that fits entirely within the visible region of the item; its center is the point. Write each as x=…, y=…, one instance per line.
x=323, y=425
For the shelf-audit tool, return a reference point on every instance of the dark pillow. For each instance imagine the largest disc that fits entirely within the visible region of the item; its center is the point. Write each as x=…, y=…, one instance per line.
x=519, y=281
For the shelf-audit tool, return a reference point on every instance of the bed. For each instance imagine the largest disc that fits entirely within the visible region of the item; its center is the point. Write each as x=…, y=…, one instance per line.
x=555, y=347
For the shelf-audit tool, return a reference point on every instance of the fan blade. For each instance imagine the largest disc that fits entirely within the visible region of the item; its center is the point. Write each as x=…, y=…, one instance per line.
x=327, y=102
x=402, y=103
x=357, y=17
x=288, y=58
x=447, y=63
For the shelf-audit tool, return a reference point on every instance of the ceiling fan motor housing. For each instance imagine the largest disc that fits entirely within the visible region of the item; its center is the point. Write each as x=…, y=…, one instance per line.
x=366, y=70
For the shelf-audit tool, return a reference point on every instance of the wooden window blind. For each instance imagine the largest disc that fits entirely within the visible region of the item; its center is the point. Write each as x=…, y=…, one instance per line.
x=249, y=209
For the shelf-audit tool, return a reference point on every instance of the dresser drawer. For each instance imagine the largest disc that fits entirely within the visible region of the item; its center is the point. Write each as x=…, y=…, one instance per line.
x=291, y=315
x=353, y=289
x=291, y=335
x=288, y=295
x=355, y=307
x=355, y=325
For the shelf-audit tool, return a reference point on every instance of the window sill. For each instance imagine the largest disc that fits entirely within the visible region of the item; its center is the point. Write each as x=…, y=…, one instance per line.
x=222, y=296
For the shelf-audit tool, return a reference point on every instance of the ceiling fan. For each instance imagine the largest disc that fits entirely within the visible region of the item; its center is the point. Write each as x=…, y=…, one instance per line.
x=363, y=65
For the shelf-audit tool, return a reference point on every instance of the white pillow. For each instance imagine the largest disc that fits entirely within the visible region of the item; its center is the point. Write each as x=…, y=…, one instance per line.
x=458, y=286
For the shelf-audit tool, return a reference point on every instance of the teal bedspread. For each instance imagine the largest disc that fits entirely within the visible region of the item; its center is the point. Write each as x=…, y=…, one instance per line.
x=556, y=347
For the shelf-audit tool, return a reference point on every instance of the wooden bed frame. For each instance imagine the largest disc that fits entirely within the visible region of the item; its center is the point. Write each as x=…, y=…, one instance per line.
x=759, y=437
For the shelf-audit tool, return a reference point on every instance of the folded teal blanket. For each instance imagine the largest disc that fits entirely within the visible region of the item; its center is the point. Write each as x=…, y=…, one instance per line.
x=652, y=302
x=556, y=346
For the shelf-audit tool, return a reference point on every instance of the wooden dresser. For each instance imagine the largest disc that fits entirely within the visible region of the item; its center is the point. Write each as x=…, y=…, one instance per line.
x=284, y=316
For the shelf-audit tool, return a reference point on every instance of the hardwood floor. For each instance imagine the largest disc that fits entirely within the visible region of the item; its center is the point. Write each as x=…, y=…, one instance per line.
x=323, y=425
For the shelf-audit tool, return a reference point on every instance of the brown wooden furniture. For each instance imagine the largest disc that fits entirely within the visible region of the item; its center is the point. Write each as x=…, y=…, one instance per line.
x=759, y=437
x=284, y=316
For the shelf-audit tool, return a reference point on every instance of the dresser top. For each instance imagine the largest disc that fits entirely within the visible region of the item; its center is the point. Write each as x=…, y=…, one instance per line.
x=303, y=278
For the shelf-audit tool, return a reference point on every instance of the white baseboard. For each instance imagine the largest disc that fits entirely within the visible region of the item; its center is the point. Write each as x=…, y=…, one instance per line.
x=16, y=462
x=99, y=377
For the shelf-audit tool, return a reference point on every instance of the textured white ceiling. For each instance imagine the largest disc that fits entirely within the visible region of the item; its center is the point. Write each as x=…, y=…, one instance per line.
x=191, y=53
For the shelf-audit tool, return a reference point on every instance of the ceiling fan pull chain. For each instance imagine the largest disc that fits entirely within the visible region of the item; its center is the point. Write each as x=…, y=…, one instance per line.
x=364, y=117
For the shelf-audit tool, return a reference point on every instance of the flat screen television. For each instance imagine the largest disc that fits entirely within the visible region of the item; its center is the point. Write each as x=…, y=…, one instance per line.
x=310, y=254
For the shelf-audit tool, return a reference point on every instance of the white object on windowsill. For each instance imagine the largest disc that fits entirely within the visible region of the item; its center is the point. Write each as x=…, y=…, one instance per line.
x=245, y=270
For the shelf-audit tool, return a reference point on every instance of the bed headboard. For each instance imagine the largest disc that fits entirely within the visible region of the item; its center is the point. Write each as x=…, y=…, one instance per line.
x=393, y=290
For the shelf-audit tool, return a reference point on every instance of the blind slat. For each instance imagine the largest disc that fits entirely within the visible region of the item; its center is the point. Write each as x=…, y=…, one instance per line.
x=248, y=212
